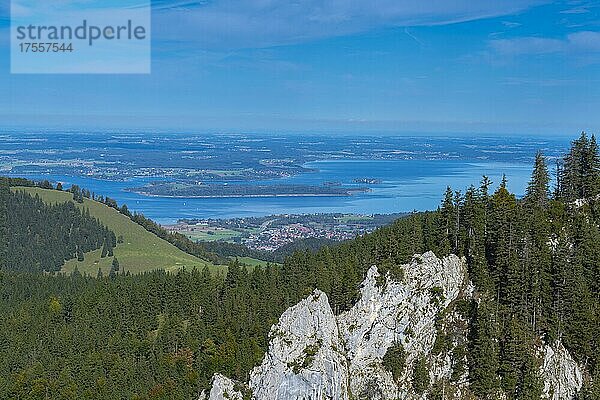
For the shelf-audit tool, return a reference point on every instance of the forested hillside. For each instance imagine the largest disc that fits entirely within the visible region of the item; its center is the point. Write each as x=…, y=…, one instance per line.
x=39, y=237
x=533, y=262
x=138, y=250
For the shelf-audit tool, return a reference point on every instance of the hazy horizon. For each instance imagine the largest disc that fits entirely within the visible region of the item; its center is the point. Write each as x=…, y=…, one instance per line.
x=526, y=67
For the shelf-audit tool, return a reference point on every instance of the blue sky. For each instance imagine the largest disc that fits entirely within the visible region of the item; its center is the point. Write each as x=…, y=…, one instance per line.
x=379, y=66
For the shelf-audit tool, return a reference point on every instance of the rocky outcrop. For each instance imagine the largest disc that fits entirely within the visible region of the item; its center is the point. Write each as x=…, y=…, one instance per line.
x=399, y=312
x=315, y=355
x=563, y=378
x=224, y=388
x=305, y=359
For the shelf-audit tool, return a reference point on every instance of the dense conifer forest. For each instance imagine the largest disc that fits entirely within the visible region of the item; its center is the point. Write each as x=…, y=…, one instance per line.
x=534, y=263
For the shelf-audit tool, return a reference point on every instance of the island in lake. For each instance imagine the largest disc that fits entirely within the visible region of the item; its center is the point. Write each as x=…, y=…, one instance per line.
x=369, y=181
x=199, y=190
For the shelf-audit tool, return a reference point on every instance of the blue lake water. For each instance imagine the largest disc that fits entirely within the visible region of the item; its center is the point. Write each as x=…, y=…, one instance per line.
x=406, y=185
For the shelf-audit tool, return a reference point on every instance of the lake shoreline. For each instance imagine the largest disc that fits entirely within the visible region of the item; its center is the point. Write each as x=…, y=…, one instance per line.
x=243, y=196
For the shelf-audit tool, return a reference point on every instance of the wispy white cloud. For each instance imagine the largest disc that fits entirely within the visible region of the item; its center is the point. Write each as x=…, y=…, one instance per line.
x=577, y=42
x=511, y=24
x=576, y=10
x=527, y=45
x=260, y=23
x=585, y=41
x=176, y=4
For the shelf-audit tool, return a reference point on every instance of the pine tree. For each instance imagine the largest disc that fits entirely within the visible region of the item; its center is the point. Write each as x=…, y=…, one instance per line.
x=592, y=165
x=104, y=250
x=559, y=190
x=485, y=185
x=77, y=194
x=484, y=352
x=538, y=190
x=115, y=265
x=448, y=225
x=420, y=376
x=474, y=215
x=114, y=269
x=534, y=253
x=580, y=173
x=561, y=257
x=501, y=232
x=80, y=255
x=394, y=360
x=514, y=354
x=457, y=203
x=531, y=385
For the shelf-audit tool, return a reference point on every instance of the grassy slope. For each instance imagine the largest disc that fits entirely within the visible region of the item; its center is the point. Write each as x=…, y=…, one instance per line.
x=141, y=250
x=203, y=235
x=253, y=262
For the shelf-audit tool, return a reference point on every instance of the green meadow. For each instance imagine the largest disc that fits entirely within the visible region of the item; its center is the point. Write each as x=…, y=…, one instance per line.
x=140, y=251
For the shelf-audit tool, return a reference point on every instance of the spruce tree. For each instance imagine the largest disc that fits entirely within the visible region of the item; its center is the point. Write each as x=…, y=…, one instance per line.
x=484, y=351
x=592, y=173
x=501, y=231
x=534, y=252
x=115, y=265
x=580, y=174
x=80, y=255
x=538, y=190
x=104, y=249
x=420, y=376
x=448, y=224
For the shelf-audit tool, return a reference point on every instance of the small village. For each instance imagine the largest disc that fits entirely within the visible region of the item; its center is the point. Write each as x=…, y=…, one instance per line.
x=272, y=232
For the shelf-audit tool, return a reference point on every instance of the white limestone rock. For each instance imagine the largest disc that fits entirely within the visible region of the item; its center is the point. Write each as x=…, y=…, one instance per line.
x=305, y=359
x=314, y=355
x=223, y=388
x=403, y=312
x=563, y=378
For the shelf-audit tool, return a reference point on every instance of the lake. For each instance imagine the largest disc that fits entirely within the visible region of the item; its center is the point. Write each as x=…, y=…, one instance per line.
x=405, y=185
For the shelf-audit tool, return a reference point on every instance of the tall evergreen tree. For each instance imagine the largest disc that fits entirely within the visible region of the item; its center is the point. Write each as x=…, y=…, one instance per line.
x=592, y=174
x=448, y=222
x=580, y=173
x=484, y=352
x=104, y=252
x=538, y=190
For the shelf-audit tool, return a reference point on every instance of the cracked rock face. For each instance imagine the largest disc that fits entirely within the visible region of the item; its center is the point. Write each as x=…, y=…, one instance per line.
x=305, y=359
x=315, y=355
x=398, y=312
x=562, y=376
x=223, y=388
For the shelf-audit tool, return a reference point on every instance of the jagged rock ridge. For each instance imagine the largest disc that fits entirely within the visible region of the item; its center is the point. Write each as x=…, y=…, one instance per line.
x=315, y=355
x=305, y=358
x=224, y=388
x=398, y=312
